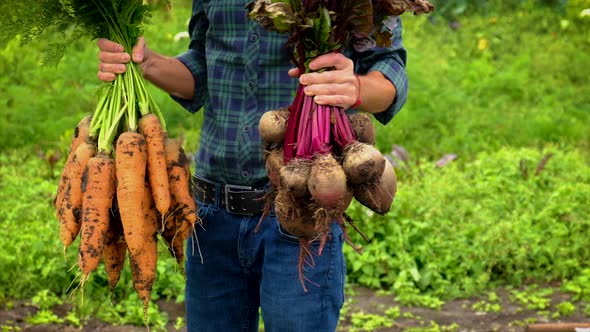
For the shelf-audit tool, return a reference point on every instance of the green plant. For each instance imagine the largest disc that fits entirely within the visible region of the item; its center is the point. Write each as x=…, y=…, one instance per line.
x=72, y=319
x=435, y=327
x=578, y=285
x=501, y=96
x=565, y=309
x=44, y=317
x=454, y=9
x=412, y=297
x=411, y=315
x=369, y=322
x=46, y=299
x=458, y=230
x=532, y=297
x=129, y=311
x=393, y=312
x=489, y=305
x=486, y=306
x=179, y=323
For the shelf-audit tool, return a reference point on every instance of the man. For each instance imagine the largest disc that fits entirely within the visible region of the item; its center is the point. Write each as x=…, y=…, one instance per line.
x=236, y=71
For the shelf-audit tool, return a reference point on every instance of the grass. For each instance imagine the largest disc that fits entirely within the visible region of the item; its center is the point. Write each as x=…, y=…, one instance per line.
x=524, y=87
x=501, y=91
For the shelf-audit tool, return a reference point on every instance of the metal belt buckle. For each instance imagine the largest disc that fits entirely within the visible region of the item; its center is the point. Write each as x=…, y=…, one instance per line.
x=231, y=194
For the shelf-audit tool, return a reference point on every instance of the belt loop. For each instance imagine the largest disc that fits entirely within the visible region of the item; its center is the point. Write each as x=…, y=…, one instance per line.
x=219, y=195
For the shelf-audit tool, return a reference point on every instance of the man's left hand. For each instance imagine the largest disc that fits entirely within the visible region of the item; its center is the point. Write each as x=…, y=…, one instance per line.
x=336, y=87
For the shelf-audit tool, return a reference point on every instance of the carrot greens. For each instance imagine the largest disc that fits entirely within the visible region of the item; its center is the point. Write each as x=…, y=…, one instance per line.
x=121, y=102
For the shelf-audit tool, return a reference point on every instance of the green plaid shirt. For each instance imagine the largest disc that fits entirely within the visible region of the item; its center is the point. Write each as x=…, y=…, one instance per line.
x=240, y=72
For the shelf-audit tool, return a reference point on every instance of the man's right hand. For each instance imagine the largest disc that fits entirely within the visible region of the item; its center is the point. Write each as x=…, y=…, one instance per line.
x=112, y=57
x=167, y=73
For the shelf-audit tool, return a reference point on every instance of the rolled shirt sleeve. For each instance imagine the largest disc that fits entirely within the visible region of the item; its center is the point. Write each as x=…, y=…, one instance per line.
x=391, y=62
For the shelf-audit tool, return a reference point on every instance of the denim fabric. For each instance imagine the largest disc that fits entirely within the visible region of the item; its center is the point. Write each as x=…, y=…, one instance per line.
x=242, y=269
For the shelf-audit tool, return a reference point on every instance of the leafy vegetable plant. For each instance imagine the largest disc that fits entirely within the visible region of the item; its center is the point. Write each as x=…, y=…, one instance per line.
x=123, y=174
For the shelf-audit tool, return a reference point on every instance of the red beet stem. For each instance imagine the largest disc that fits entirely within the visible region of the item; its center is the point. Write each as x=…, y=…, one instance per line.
x=292, y=125
x=343, y=132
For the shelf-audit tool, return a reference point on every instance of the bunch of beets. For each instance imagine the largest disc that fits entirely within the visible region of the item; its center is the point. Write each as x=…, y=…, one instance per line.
x=319, y=157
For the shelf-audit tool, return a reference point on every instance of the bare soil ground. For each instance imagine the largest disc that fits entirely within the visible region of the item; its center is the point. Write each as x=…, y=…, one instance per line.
x=459, y=313
x=511, y=318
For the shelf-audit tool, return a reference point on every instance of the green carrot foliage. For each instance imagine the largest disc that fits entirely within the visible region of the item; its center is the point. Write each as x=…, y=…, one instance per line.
x=121, y=102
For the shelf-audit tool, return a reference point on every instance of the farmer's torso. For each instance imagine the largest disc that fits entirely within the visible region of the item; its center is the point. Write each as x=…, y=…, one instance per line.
x=246, y=70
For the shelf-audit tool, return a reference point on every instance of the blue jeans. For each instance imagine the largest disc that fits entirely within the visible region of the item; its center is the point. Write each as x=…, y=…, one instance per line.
x=243, y=270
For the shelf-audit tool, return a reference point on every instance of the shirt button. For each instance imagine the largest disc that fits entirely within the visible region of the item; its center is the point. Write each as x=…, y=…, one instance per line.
x=247, y=128
x=254, y=37
x=245, y=174
x=251, y=84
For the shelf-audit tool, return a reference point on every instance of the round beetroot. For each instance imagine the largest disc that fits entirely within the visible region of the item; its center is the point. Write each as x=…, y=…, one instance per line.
x=378, y=195
x=362, y=163
x=327, y=181
x=364, y=129
x=293, y=177
x=273, y=125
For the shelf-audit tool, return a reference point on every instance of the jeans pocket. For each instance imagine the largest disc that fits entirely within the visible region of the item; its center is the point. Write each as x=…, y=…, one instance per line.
x=284, y=234
x=205, y=210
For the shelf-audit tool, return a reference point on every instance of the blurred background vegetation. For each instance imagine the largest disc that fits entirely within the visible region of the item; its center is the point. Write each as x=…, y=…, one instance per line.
x=492, y=152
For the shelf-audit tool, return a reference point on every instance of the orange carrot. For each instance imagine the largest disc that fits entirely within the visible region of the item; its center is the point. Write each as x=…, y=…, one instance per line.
x=178, y=177
x=184, y=229
x=70, y=204
x=98, y=191
x=174, y=241
x=130, y=158
x=151, y=128
x=143, y=263
x=81, y=132
x=80, y=135
x=115, y=249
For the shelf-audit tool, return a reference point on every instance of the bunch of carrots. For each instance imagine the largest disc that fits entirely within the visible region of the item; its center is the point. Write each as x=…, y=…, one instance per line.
x=125, y=182
x=119, y=201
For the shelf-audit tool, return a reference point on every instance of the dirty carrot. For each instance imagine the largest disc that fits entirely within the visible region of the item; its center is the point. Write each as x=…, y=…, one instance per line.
x=178, y=177
x=143, y=262
x=130, y=158
x=71, y=201
x=173, y=241
x=115, y=249
x=151, y=128
x=98, y=190
x=80, y=135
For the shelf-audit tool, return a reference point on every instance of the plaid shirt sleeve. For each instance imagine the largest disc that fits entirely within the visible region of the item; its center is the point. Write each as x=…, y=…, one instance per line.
x=391, y=62
x=194, y=58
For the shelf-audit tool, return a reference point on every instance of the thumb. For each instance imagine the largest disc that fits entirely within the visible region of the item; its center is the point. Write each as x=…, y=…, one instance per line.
x=139, y=50
x=294, y=73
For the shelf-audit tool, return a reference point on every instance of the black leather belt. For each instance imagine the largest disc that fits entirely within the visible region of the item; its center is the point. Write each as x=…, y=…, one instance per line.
x=235, y=199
